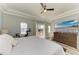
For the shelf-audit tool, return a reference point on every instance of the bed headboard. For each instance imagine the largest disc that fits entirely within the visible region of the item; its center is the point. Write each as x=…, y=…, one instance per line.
x=66, y=38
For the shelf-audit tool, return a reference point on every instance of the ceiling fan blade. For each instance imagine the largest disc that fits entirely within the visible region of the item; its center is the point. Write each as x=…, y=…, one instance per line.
x=43, y=6
x=42, y=12
x=45, y=9
x=50, y=9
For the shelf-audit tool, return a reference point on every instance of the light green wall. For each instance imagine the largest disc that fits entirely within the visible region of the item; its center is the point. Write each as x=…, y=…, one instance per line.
x=12, y=23
x=0, y=20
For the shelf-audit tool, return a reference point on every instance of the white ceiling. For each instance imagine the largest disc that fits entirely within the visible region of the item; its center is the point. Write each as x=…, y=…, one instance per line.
x=34, y=9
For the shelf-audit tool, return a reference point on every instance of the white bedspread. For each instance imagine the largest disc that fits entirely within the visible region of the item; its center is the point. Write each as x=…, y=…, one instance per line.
x=36, y=46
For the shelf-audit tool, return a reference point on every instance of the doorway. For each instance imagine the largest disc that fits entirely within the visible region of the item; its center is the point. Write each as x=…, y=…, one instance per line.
x=40, y=30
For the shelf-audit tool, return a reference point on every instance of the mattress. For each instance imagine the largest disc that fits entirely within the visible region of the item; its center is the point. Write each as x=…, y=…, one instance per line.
x=36, y=46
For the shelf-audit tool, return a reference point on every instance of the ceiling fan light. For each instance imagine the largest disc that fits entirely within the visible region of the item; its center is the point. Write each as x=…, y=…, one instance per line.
x=45, y=10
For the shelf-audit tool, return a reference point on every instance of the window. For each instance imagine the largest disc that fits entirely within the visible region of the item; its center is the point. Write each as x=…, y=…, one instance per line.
x=49, y=29
x=23, y=28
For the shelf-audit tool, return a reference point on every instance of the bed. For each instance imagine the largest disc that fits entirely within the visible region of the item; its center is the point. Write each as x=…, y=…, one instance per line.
x=30, y=45
x=36, y=46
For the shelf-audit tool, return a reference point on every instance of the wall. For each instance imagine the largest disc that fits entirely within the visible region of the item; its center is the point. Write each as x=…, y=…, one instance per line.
x=53, y=25
x=72, y=17
x=12, y=23
x=0, y=19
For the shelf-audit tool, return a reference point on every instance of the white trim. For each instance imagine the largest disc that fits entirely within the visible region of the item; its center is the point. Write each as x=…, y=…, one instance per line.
x=21, y=14
x=25, y=15
x=17, y=13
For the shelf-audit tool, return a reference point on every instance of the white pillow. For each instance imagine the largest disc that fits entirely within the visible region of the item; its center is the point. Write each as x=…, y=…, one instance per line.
x=13, y=41
x=5, y=45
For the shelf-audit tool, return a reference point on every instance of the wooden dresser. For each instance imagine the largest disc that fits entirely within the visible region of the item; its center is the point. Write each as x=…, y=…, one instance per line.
x=66, y=38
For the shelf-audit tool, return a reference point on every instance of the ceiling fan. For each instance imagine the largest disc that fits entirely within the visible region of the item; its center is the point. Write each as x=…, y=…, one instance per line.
x=45, y=8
